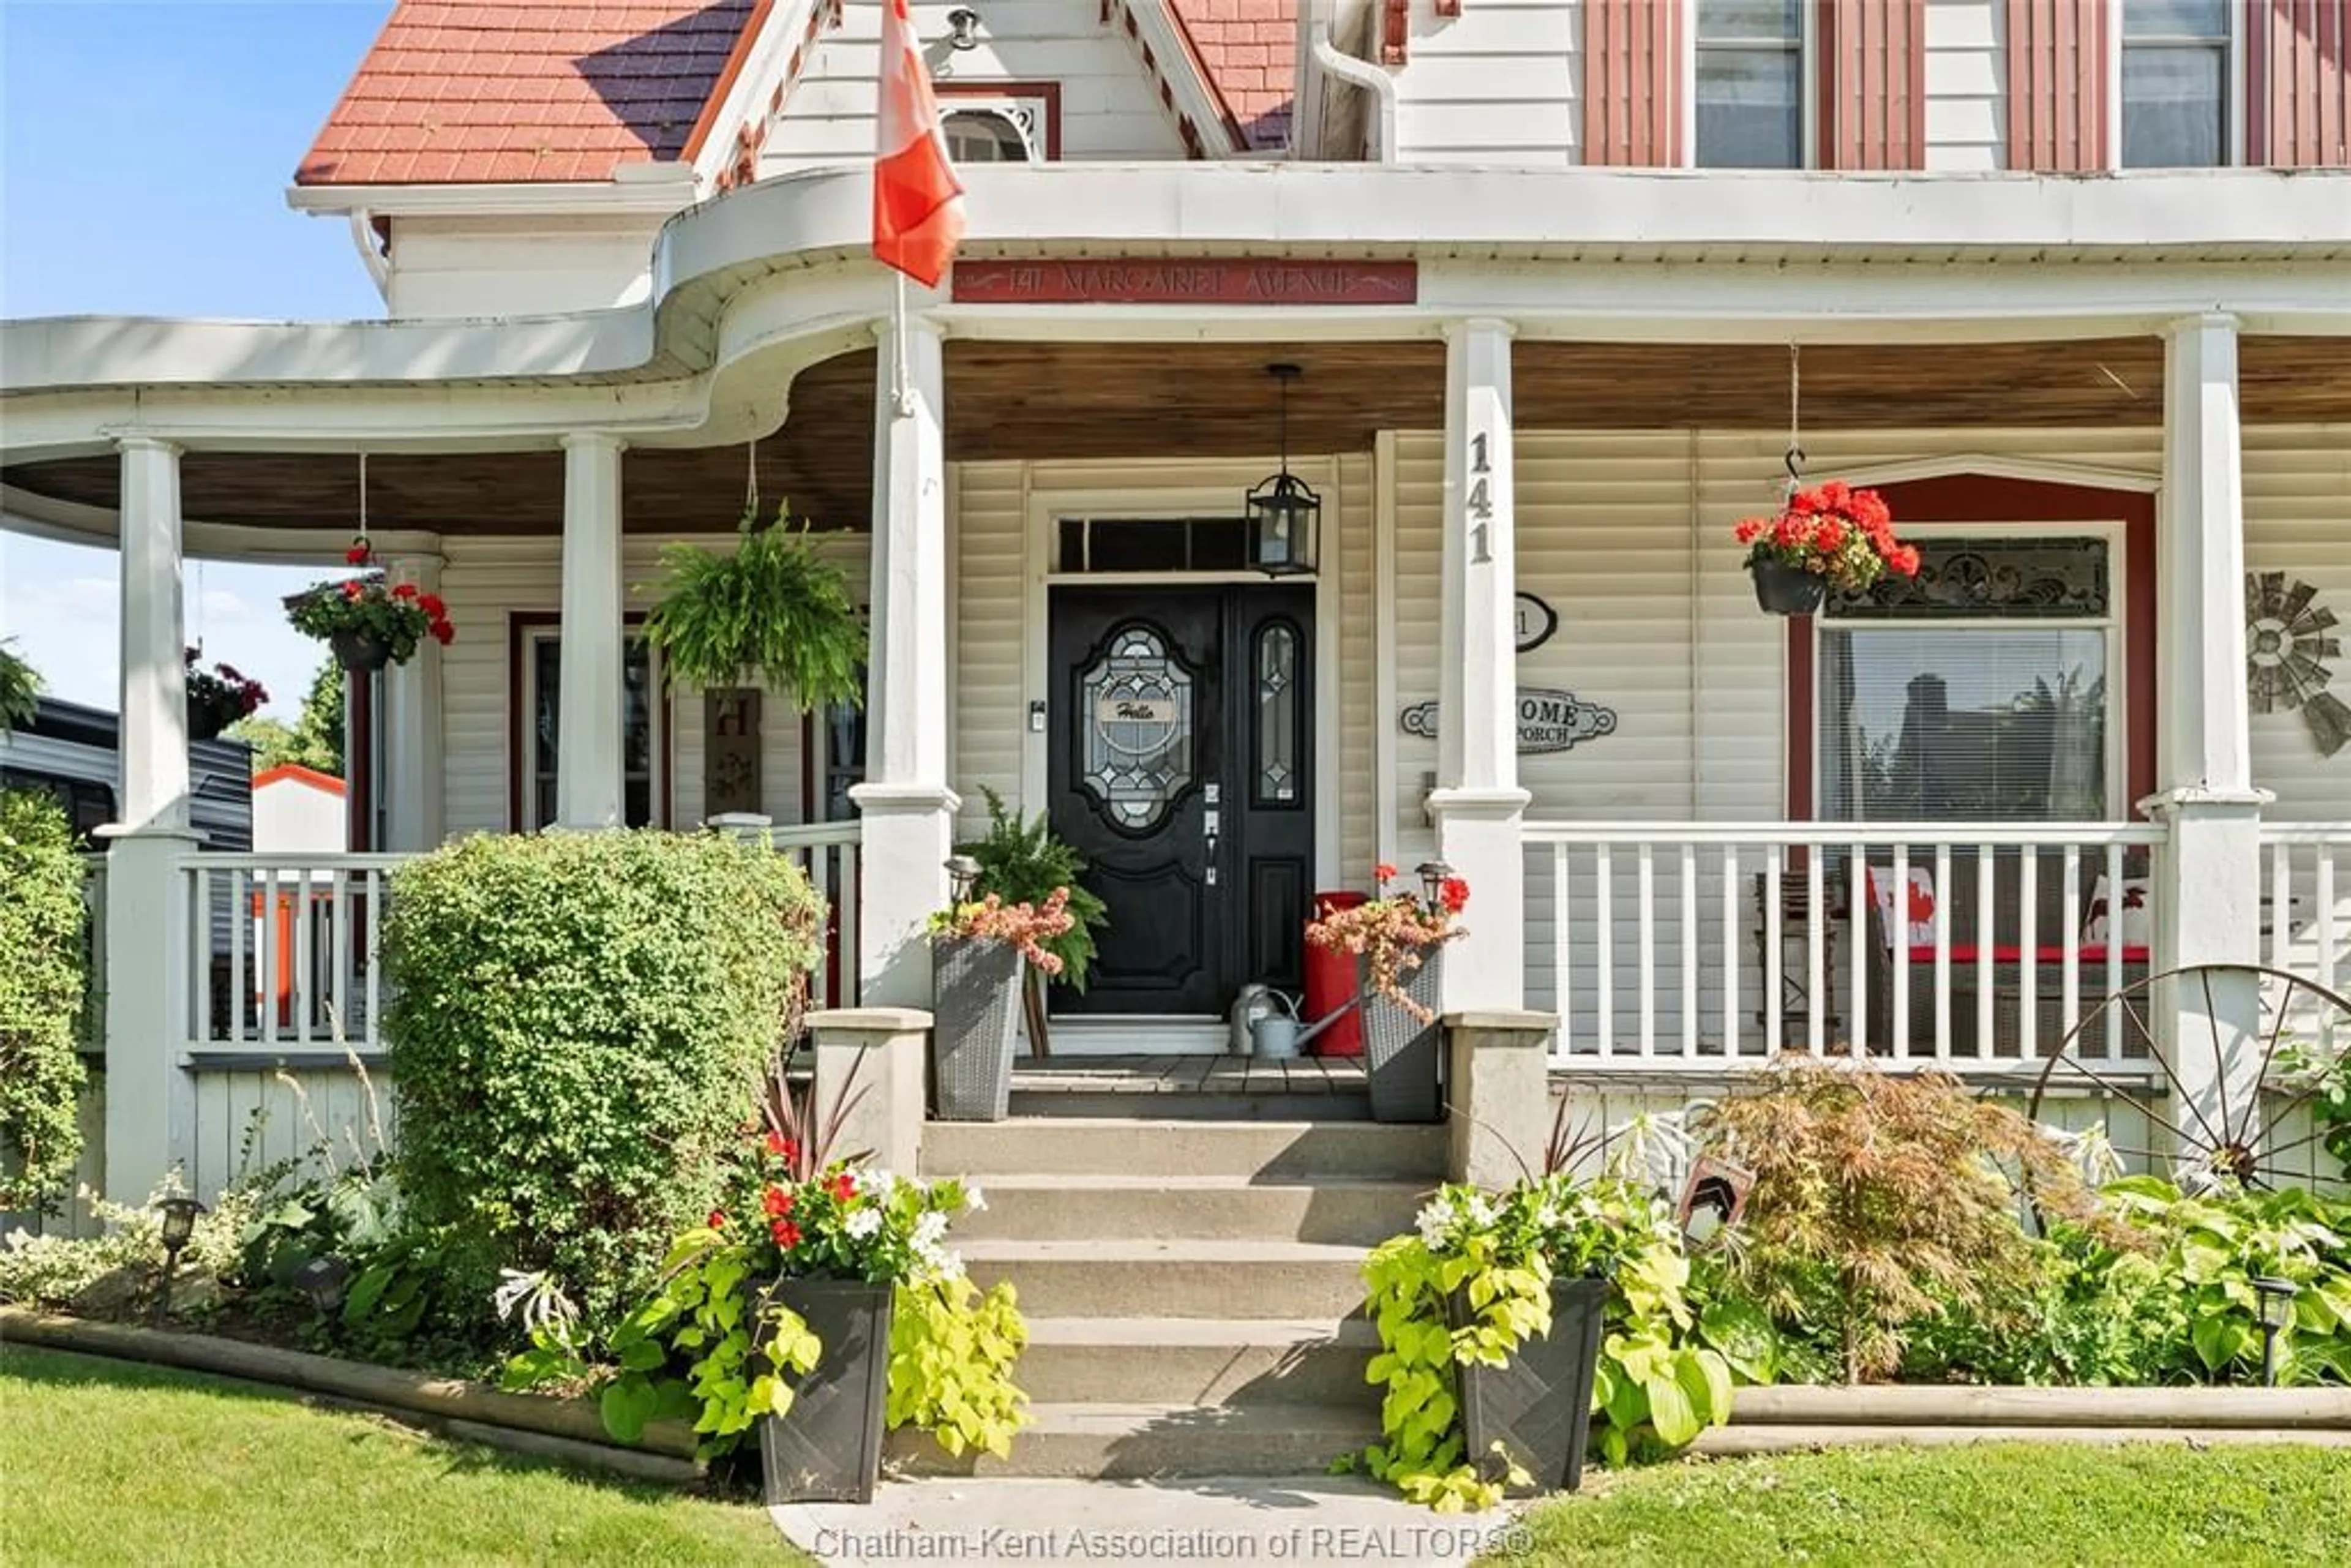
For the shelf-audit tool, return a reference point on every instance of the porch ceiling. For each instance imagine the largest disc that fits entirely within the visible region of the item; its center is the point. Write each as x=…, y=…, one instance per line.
x=1108, y=400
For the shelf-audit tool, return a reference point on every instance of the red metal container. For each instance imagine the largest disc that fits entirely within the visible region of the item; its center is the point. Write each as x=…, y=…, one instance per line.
x=1331, y=984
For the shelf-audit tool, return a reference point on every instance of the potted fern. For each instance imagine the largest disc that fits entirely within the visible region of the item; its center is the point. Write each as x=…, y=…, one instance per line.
x=1022, y=862
x=773, y=610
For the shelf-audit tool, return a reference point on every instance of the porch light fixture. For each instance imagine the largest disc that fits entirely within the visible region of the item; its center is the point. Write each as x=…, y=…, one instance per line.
x=963, y=876
x=2274, y=1299
x=1284, y=514
x=1713, y=1198
x=1432, y=874
x=963, y=30
x=179, y=1227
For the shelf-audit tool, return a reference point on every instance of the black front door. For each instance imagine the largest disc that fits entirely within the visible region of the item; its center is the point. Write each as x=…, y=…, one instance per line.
x=1180, y=739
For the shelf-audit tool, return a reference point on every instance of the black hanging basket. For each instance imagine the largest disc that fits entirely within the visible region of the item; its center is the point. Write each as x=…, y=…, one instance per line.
x=360, y=651
x=1784, y=590
x=1401, y=1051
x=828, y=1447
x=1537, y=1405
x=207, y=720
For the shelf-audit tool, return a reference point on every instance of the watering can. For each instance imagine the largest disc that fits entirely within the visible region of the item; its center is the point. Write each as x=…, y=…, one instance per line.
x=1278, y=1036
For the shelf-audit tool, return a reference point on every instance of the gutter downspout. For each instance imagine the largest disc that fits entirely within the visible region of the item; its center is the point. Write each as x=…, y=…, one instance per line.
x=379, y=265
x=1363, y=74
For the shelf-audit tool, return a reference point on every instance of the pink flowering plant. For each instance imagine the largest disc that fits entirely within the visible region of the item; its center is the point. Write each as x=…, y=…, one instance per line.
x=220, y=696
x=1031, y=928
x=1394, y=931
x=1831, y=530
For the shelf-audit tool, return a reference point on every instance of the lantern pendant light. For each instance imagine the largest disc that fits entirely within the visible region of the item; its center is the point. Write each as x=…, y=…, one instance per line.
x=1284, y=514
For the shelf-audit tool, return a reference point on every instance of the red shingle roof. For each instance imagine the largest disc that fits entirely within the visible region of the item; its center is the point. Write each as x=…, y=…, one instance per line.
x=525, y=91
x=1250, y=49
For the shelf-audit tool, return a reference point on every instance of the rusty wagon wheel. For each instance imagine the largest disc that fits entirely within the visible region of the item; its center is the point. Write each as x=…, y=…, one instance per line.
x=2231, y=1142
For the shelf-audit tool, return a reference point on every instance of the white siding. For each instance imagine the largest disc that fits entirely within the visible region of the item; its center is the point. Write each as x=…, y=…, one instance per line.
x=991, y=613
x=2298, y=521
x=1110, y=108
x=517, y=266
x=1966, y=68
x=1500, y=83
x=485, y=582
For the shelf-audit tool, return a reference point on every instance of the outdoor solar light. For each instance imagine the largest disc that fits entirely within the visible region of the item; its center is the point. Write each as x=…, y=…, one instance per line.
x=322, y=1279
x=963, y=29
x=179, y=1226
x=1713, y=1198
x=963, y=875
x=2275, y=1299
x=1431, y=875
x=1284, y=512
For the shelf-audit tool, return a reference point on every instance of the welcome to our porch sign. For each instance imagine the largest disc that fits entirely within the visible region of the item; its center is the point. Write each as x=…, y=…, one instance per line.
x=1548, y=720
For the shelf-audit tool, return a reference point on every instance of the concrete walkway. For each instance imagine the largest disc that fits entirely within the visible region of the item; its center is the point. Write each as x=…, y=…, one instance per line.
x=1315, y=1519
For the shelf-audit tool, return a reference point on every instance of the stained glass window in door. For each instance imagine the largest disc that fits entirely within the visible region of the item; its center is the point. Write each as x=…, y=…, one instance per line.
x=1137, y=727
x=1277, y=715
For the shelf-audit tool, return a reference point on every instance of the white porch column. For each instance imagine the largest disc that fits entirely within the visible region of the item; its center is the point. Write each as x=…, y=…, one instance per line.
x=150, y=1108
x=1477, y=805
x=588, y=707
x=908, y=808
x=411, y=727
x=2207, y=883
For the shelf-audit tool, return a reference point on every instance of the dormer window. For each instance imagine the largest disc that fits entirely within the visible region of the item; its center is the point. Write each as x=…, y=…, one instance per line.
x=1001, y=121
x=1749, y=84
x=2175, y=84
x=984, y=136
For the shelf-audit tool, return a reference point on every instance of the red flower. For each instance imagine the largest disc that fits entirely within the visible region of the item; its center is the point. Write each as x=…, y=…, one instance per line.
x=353, y=588
x=443, y=633
x=718, y=1217
x=356, y=554
x=1385, y=870
x=780, y=1147
x=1453, y=893
x=1752, y=529
x=776, y=1202
x=840, y=1186
x=787, y=1234
x=404, y=590
x=430, y=604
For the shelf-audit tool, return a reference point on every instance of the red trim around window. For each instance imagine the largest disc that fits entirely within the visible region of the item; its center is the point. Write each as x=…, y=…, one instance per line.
x=1978, y=498
x=519, y=623
x=1050, y=91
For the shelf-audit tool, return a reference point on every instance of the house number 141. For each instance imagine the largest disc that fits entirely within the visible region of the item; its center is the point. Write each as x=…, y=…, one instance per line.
x=1481, y=505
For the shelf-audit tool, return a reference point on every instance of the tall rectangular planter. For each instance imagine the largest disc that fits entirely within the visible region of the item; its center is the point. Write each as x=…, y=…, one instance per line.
x=1401, y=1052
x=976, y=1018
x=1538, y=1405
x=828, y=1447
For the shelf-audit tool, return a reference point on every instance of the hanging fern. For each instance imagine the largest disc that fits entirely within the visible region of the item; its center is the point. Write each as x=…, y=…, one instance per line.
x=773, y=610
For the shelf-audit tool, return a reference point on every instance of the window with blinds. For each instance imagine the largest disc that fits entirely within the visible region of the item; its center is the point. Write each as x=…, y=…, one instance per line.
x=1749, y=84
x=1978, y=691
x=2175, y=82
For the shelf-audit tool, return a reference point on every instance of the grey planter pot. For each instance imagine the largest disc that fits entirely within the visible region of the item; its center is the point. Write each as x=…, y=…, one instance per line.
x=973, y=1021
x=1400, y=1051
x=1537, y=1405
x=828, y=1447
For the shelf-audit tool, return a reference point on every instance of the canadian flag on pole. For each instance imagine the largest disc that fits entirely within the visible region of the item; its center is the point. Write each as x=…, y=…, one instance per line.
x=917, y=201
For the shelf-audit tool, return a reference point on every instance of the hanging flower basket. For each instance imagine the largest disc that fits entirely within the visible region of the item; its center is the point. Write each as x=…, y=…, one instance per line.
x=1831, y=536
x=367, y=621
x=218, y=697
x=773, y=610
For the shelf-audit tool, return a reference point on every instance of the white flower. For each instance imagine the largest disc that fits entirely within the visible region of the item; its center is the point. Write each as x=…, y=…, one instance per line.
x=973, y=1200
x=1434, y=1220
x=873, y=1181
x=864, y=1223
x=929, y=1231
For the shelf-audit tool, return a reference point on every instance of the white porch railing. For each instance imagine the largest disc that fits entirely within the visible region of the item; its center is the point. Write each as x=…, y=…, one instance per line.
x=1688, y=945
x=2306, y=917
x=282, y=948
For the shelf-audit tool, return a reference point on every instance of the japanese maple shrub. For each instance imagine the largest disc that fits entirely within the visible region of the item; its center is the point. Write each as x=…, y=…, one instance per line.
x=580, y=1024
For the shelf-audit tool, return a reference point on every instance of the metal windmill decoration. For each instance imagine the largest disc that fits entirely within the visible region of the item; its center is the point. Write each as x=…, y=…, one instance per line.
x=2286, y=649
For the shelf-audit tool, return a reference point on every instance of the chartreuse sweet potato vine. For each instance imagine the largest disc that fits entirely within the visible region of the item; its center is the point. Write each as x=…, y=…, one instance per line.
x=1666, y=1366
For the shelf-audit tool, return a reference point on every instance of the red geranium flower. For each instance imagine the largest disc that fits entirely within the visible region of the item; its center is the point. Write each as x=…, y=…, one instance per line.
x=841, y=1187
x=1385, y=870
x=443, y=633
x=1454, y=894
x=352, y=589
x=432, y=605
x=356, y=554
x=776, y=1202
x=718, y=1217
x=404, y=590
x=780, y=1145
x=787, y=1234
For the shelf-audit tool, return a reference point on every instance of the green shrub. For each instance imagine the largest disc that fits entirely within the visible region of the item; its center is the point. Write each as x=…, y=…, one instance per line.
x=41, y=981
x=581, y=1021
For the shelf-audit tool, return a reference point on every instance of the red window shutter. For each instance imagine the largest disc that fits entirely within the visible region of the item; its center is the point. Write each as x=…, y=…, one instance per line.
x=1632, y=76
x=2057, y=85
x=1872, y=70
x=2298, y=84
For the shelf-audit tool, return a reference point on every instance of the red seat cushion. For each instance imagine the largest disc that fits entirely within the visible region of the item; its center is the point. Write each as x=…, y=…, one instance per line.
x=2051, y=953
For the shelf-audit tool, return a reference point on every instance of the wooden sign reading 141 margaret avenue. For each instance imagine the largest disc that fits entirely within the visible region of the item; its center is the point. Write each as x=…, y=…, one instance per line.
x=1186, y=280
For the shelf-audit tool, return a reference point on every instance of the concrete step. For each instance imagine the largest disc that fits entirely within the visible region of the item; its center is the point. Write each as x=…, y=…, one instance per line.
x=1129, y=1441
x=1281, y=1150
x=1344, y=1210
x=1103, y=1104
x=1174, y=1279
x=1199, y=1361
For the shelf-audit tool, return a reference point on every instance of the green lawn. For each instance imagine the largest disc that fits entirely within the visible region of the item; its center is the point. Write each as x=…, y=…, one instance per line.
x=107, y=1462
x=2145, y=1505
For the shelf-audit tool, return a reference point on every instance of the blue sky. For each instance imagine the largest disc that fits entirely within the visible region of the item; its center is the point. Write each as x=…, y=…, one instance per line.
x=144, y=154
